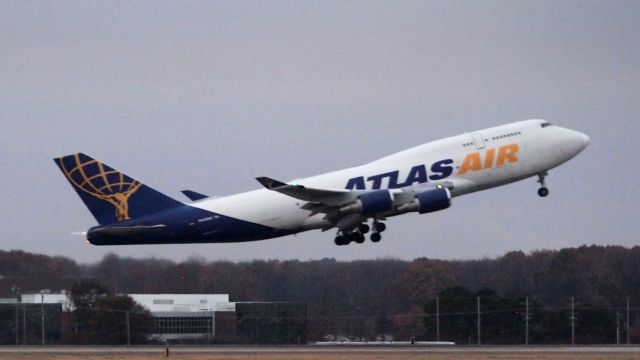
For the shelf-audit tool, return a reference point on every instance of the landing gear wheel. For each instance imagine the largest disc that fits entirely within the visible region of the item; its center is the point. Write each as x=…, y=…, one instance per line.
x=358, y=237
x=341, y=240
x=375, y=237
x=543, y=191
x=379, y=227
x=363, y=228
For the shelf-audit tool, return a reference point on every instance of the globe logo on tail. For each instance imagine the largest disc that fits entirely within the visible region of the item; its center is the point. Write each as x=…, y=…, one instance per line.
x=100, y=181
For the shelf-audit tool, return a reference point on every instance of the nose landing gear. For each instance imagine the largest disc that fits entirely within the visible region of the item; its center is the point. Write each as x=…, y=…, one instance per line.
x=542, y=191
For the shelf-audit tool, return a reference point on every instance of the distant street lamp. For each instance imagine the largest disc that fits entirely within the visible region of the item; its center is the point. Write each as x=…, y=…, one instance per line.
x=42, y=313
x=16, y=291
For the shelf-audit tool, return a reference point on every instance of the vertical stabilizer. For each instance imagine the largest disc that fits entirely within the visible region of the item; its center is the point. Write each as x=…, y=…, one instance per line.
x=110, y=195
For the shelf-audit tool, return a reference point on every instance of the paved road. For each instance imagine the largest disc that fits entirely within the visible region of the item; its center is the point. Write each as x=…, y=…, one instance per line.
x=319, y=349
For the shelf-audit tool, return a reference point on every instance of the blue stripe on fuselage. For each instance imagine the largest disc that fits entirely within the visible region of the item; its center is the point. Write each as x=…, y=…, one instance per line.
x=185, y=224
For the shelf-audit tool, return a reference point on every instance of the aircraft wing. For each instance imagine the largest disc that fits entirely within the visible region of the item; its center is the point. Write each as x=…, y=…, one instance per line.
x=330, y=198
x=331, y=202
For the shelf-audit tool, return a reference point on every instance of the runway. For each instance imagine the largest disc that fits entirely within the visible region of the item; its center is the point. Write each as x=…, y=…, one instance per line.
x=313, y=349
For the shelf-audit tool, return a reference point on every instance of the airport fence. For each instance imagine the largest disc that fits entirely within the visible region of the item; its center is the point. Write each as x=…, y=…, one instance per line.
x=465, y=320
x=490, y=319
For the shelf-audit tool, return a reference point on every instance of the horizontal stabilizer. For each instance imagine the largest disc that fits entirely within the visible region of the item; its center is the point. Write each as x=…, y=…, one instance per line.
x=194, y=196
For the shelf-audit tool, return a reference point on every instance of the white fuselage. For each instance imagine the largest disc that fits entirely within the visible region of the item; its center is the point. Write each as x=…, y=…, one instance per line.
x=478, y=161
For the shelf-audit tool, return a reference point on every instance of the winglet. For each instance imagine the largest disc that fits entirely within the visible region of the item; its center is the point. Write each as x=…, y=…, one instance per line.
x=194, y=196
x=270, y=183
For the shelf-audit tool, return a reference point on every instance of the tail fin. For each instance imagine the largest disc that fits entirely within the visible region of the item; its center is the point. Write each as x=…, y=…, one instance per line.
x=110, y=195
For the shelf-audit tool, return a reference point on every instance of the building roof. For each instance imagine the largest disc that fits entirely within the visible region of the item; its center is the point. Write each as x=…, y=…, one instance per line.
x=174, y=303
x=184, y=302
x=60, y=298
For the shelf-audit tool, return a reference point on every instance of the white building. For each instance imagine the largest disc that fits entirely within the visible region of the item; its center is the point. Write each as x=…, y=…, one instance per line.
x=185, y=316
x=168, y=303
x=48, y=298
x=176, y=316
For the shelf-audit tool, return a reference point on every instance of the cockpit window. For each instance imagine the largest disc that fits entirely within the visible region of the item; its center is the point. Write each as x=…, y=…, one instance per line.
x=545, y=124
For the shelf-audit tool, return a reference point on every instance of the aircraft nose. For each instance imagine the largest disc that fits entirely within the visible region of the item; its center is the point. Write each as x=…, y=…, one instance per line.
x=574, y=142
x=582, y=140
x=585, y=139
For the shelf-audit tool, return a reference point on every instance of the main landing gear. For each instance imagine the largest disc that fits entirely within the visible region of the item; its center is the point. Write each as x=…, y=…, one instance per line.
x=357, y=235
x=542, y=191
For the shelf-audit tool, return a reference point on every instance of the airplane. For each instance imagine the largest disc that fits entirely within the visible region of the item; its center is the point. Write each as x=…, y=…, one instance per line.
x=421, y=179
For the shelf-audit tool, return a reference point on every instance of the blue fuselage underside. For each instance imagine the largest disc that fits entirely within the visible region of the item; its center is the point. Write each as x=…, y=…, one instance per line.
x=181, y=225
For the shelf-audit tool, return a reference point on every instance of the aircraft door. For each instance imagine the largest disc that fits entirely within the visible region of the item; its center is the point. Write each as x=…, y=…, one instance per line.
x=478, y=139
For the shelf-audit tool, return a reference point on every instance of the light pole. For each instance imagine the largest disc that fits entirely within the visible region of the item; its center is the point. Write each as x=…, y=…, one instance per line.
x=42, y=313
x=16, y=292
x=573, y=322
x=617, y=327
x=24, y=324
x=128, y=329
x=627, y=320
x=437, y=318
x=213, y=323
x=208, y=330
x=16, y=323
x=526, y=321
x=478, y=303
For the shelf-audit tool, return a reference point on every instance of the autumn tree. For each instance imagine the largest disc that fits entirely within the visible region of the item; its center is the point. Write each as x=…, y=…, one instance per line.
x=102, y=317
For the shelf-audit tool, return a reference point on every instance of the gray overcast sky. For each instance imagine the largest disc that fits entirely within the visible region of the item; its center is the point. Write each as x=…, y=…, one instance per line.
x=208, y=95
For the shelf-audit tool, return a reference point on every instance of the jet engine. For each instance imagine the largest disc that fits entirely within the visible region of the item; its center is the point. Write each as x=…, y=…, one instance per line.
x=428, y=201
x=369, y=203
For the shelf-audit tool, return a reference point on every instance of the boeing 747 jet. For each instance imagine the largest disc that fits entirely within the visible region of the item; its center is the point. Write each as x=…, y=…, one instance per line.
x=355, y=201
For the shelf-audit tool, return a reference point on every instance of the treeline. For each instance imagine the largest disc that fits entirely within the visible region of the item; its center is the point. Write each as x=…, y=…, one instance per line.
x=357, y=298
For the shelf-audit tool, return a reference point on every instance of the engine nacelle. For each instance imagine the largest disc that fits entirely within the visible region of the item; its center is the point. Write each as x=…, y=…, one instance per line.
x=369, y=203
x=428, y=201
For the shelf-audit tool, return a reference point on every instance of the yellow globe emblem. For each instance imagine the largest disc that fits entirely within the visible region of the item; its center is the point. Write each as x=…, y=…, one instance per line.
x=102, y=182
